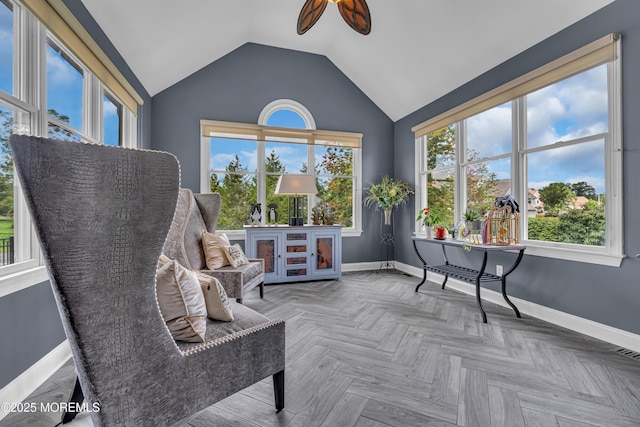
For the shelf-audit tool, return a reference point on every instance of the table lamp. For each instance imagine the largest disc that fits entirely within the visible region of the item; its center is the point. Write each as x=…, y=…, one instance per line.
x=296, y=185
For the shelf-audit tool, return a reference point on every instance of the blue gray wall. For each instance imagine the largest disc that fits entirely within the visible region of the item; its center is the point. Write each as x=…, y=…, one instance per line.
x=30, y=325
x=238, y=86
x=604, y=294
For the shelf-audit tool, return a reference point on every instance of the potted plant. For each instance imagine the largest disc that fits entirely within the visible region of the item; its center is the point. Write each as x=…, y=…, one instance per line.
x=472, y=218
x=388, y=194
x=431, y=219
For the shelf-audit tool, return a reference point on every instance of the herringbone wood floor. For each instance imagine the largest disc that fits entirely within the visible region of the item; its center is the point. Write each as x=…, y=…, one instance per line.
x=369, y=351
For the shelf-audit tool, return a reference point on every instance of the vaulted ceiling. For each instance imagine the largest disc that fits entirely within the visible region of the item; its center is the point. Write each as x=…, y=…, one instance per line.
x=418, y=50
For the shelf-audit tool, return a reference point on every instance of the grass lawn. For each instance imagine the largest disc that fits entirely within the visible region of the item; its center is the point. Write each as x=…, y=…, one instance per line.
x=6, y=227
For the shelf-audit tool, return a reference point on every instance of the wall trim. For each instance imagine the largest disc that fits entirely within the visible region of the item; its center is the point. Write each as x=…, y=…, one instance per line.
x=361, y=266
x=584, y=326
x=28, y=381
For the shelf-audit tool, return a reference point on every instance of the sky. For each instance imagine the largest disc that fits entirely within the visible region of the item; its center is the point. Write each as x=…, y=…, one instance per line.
x=573, y=108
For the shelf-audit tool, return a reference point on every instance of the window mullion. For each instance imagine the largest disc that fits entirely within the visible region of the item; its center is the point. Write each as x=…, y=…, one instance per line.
x=519, y=179
x=460, y=172
x=262, y=179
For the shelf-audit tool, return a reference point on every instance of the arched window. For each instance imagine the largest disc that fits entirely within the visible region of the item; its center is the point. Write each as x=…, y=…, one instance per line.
x=286, y=113
x=243, y=162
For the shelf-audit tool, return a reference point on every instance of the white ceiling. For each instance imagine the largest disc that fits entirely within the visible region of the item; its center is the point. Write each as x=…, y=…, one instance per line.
x=418, y=50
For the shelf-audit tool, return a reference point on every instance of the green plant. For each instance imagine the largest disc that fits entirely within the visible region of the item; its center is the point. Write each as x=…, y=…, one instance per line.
x=471, y=215
x=429, y=217
x=388, y=194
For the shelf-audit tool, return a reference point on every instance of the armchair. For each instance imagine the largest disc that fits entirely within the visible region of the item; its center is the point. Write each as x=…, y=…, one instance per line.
x=102, y=214
x=196, y=213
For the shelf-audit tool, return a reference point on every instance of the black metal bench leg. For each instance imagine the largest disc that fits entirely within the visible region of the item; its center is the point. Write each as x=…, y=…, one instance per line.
x=278, y=390
x=262, y=290
x=76, y=399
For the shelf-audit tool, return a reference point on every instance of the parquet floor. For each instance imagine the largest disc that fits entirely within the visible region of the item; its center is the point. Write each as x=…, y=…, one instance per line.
x=369, y=351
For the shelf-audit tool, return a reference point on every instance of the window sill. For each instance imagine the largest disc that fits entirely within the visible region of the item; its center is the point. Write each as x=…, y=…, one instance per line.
x=573, y=254
x=21, y=280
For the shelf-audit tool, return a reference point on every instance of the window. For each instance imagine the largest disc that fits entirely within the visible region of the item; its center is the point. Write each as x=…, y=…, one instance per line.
x=243, y=162
x=555, y=147
x=112, y=120
x=75, y=104
x=6, y=46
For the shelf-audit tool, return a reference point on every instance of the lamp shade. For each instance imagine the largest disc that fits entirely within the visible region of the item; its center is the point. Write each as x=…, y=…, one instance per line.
x=296, y=184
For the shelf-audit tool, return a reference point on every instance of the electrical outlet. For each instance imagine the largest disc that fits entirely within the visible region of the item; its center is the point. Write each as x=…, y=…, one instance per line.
x=498, y=270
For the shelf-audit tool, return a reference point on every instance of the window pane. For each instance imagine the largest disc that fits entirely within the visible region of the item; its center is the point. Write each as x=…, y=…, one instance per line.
x=64, y=87
x=6, y=189
x=233, y=155
x=286, y=118
x=338, y=193
x=333, y=160
x=59, y=132
x=282, y=157
x=441, y=148
x=6, y=46
x=567, y=194
x=489, y=133
x=112, y=113
x=569, y=109
x=485, y=182
x=238, y=194
x=440, y=194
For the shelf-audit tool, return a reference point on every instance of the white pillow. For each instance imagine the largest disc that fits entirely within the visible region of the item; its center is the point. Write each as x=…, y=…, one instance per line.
x=181, y=301
x=213, y=247
x=215, y=298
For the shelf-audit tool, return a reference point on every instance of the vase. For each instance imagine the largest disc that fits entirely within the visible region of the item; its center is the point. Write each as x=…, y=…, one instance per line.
x=387, y=216
x=428, y=232
x=441, y=233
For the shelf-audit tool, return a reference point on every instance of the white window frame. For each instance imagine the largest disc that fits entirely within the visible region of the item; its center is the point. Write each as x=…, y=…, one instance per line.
x=205, y=154
x=613, y=252
x=29, y=80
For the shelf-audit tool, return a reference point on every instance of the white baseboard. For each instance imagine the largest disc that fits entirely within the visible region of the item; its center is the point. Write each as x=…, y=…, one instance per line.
x=587, y=327
x=20, y=388
x=361, y=266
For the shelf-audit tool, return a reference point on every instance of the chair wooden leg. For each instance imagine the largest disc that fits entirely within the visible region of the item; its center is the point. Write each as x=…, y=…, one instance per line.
x=278, y=390
x=262, y=290
x=76, y=399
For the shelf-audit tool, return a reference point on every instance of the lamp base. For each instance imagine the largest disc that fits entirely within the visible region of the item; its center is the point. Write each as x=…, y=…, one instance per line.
x=296, y=221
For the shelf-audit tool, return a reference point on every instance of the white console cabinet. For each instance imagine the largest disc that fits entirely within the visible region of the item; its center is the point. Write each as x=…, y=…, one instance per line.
x=293, y=254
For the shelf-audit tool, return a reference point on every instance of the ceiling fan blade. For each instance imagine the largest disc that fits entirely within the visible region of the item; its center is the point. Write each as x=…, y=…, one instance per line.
x=356, y=14
x=310, y=13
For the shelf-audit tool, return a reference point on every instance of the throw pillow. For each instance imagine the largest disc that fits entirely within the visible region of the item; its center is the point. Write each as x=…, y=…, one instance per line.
x=215, y=298
x=213, y=247
x=235, y=255
x=181, y=301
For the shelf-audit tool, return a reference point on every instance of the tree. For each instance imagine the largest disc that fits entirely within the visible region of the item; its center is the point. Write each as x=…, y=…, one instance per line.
x=481, y=186
x=6, y=164
x=557, y=197
x=273, y=165
x=441, y=150
x=238, y=193
x=583, y=189
x=338, y=190
x=584, y=226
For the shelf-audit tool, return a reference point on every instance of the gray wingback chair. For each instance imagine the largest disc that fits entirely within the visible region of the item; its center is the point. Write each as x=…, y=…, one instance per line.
x=196, y=213
x=102, y=214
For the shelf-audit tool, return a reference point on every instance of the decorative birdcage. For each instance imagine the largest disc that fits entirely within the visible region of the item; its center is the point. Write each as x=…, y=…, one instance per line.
x=502, y=229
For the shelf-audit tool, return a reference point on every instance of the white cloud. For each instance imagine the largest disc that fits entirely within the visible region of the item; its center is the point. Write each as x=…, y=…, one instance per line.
x=59, y=72
x=489, y=133
x=109, y=108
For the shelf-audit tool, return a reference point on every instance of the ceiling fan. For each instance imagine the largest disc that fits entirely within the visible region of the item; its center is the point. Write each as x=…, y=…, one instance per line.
x=355, y=13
